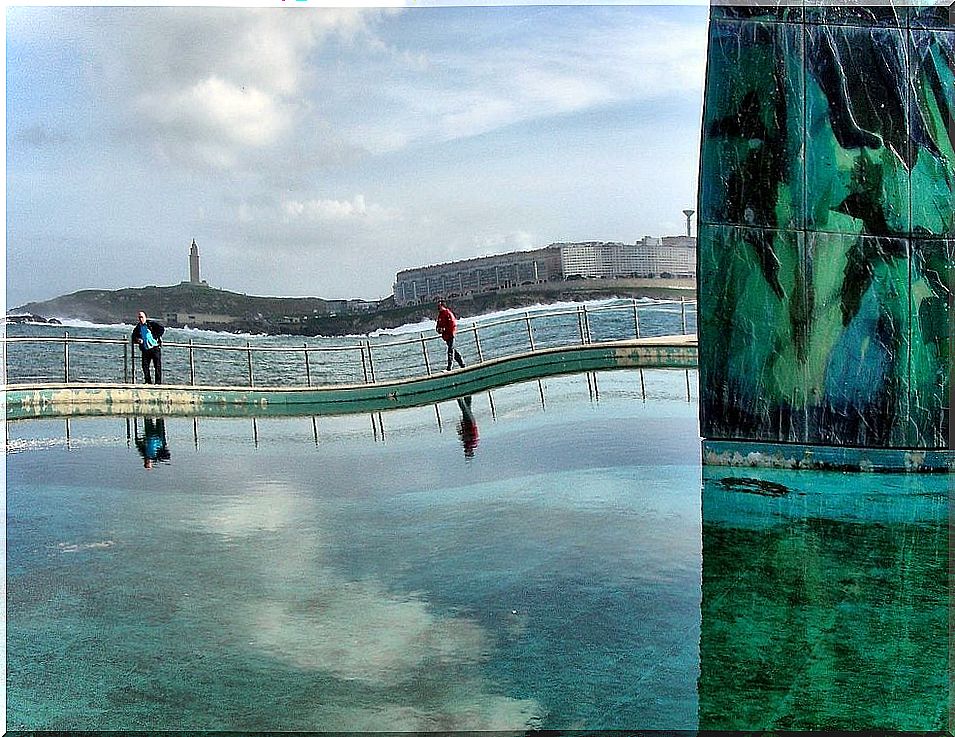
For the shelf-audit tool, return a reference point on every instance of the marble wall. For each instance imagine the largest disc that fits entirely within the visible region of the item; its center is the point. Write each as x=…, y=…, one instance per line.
x=827, y=226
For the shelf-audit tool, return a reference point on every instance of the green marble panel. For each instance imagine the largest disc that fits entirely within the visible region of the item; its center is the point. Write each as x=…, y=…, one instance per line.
x=825, y=602
x=932, y=328
x=932, y=55
x=752, y=328
x=857, y=130
x=858, y=340
x=823, y=325
x=752, y=146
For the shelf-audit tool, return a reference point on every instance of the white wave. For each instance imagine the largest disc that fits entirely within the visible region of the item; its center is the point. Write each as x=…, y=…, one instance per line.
x=217, y=333
x=73, y=322
x=427, y=325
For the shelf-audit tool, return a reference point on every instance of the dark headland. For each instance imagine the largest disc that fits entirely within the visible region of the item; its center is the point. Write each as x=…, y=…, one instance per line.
x=200, y=306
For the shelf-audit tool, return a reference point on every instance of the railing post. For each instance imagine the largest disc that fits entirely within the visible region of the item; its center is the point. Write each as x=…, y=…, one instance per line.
x=192, y=365
x=477, y=344
x=587, y=324
x=530, y=333
x=66, y=357
x=248, y=346
x=683, y=312
x=580, y=325
x=308, y=370
x=364, y=366
x=424, y=352
x=125, y=363
x=636, y=319
x=371, y=365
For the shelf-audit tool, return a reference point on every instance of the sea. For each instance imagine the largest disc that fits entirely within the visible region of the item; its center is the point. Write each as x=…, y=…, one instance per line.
x=79, y=351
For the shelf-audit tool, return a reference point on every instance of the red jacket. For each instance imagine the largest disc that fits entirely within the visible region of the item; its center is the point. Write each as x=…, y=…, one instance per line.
x=447, y=323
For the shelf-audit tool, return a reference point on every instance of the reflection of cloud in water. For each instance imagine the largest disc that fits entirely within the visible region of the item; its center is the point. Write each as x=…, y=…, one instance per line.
x=467, y=711
x=356, y=631
x=425, y=668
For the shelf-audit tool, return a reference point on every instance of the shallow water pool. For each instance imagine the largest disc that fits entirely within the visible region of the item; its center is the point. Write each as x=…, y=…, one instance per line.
x=541, y=557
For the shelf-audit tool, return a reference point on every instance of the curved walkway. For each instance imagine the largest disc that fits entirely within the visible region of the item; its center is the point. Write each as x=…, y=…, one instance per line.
x=26, y=401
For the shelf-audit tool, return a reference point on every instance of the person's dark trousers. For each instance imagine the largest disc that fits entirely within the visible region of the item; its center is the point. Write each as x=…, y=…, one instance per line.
x=153, y=356
x=453, y=354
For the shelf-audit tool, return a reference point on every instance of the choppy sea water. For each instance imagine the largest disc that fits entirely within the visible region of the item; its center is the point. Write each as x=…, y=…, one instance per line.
x=549, y=556
x=216, y=358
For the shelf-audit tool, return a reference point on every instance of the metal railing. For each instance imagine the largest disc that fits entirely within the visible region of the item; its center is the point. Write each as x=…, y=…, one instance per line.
x=70, y=358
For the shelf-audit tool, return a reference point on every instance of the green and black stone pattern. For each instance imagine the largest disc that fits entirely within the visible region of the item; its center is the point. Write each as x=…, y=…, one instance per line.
x=827, y=226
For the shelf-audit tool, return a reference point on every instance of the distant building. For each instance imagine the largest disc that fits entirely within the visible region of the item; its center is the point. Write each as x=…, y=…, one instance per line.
x=194, y=265
x=476, y=275
x=667, y=257
x=194, y=319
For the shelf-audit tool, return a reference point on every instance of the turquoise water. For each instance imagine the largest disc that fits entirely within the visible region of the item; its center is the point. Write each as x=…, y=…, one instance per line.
x=567, y=568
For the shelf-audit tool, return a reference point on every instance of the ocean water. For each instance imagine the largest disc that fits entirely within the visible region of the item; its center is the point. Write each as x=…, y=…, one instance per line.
x=222, y=359
x=550, y=555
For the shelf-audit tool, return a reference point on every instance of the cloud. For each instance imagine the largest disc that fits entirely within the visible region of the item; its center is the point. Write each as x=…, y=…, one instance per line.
x=221, y=110
x=518, y=240
x=38, y=136
x=464, y=89
x=227, y=89
x=336, y=210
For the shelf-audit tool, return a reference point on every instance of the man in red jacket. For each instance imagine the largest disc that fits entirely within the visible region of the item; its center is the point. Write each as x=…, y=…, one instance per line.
x=447, y=325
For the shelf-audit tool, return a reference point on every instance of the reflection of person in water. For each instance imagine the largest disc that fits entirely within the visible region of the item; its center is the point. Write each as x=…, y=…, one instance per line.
x=152, y=444
x=467, y=428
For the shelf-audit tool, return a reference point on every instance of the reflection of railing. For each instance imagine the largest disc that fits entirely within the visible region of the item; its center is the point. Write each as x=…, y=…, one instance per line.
x=660, y=390
x=367, y=361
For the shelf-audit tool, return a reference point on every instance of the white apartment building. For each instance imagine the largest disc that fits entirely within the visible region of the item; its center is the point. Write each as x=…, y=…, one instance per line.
x=667, y=257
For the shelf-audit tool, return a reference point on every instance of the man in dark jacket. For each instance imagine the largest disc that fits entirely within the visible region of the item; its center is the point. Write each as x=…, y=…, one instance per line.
x=148, y=336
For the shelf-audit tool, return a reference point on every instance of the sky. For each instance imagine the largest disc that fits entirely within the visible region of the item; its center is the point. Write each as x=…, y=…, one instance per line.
x=313, y=151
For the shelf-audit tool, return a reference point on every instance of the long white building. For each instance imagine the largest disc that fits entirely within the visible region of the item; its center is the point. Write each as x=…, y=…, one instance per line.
x=475, y=275
x=667, y=257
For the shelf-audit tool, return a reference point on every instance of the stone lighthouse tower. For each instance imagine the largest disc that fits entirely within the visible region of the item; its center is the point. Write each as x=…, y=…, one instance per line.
x=194, y=263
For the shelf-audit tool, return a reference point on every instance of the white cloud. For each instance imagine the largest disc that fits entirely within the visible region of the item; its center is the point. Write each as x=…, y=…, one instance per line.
x=323, y=210
x=219, y=110
x=227, y=88
x=518, y=240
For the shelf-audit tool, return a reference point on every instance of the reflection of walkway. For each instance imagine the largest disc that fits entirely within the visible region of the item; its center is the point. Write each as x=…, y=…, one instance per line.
x=152, y=443
x=667, y=385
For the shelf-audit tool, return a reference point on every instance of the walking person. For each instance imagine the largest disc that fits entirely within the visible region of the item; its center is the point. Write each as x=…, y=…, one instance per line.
x=447, y=326
x=148, y=336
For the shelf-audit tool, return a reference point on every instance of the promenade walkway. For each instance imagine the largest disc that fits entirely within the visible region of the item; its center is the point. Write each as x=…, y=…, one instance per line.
x=24, y=401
